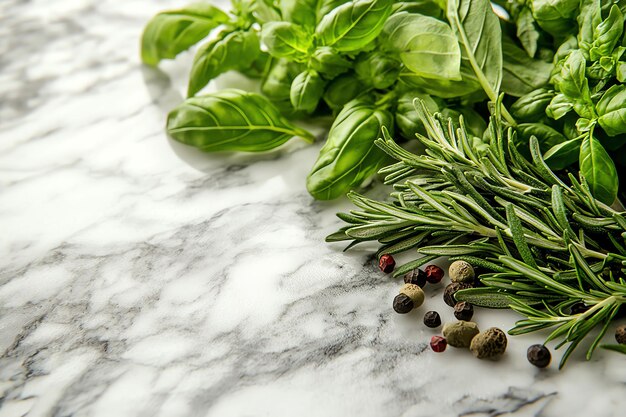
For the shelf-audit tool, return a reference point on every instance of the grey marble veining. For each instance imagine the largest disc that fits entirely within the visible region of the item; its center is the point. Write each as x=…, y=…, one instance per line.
x=141, y=278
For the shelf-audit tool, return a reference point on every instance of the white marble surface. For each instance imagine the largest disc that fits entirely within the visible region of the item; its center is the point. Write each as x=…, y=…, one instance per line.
x=140, y=278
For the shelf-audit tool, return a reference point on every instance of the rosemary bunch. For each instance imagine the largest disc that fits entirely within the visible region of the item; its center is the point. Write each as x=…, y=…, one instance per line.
x=546, y=243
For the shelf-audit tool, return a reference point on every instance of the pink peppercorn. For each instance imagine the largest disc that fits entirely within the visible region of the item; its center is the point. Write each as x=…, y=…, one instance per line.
x=438, y=344
x=386, y=263
x=434, y=274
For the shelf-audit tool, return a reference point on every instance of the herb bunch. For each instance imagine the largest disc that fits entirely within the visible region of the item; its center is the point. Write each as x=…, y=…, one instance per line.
x=361, y=61
x=547, y=243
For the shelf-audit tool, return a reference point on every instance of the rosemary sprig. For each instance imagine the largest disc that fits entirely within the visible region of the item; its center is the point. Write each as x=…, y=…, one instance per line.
x=546, y=242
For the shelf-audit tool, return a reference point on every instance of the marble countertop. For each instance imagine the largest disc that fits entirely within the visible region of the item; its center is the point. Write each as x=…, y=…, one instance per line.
x=141, y=278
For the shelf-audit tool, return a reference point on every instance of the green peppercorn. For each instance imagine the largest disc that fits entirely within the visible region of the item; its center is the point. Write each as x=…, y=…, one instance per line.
x=460, y=334
x=489, y=344
x=538, y=355
x=414, y=292
x=461, y=271
x=620, y=334
x=451, y=289
x=463, y=310
x=432, y=319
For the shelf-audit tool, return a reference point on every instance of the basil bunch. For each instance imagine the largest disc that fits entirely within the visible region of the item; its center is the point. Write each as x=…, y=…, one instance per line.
x=362, y=61
x=580, y=118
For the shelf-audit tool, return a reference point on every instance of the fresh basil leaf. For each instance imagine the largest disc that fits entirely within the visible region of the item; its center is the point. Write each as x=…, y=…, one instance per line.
x=229, y=51
x=531, y=107
x=328, y=62
x=377, y=70
x=408, y=121
x=306, y=91
x=349, y=156
x=301, y=12
x=478, y=30
x=620, y=71
x=527, y=31
x=612, y=110
x=564, y=154
x=259, y=67
x=353, y=25
x=286, y=40
x=555, y=16
x=341, y=90
x=441, y=87
x=324, y=7
x=546, y=135
x=607, y=34
x=231, y=120
x=573, y=83
x=599, y=170
x=169, y=33
x=521, y=74
x=425, y=45
x=559, y=106
x=277, y=83
x=265, y=11
x=588, y=18
x=425, y=7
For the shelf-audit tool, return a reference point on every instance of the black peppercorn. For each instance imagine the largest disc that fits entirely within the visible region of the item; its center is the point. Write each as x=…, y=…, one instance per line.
x=620, y=334
x=463, y=311
x=538, y=355
x=416, y=276
x=402, y=304
x=432, y=319
x=451, y=289
x=579, y=308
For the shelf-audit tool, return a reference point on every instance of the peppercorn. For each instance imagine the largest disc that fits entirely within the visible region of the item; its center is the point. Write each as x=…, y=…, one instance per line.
x=416, y=276
x=620, y=334
x=489, y=344
x=414, y=292
x=460, y=334
x=386, y=263
x=461, y=271
x=538, y=355
x=432, y=319
x=451, y=289
x=438, y=343
x=434, y=274
x=579, y=308
x=463, y=310
x=402, y=304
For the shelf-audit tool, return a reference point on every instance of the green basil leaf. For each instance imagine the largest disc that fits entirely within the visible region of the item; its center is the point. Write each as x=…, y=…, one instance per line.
x=599, y=170
x=259, y=67
x=265, y=11
x=527, y=31
x=229, y=51
x=328, y=62
x=441, y=87
x=607, y=34
x=349, y=155
x=301, y=12
x=588, y=18
x=324, y=7
x=620, y=71
x=408, y=121
x=573, y=83
x=277, y=83
x=169, y=33
x=478, y=30
x=521, y=74
x=555, y=16
x=425, y=7
x=286, y=40
x=612, y=110
x=343, y=89
x=306, y=91
x=531, y=107
x=231, y=120
x=353, y=25
x=559, y=106
x=546, y=135
x=377, y=70
x=425, y=45
x=564, y=154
